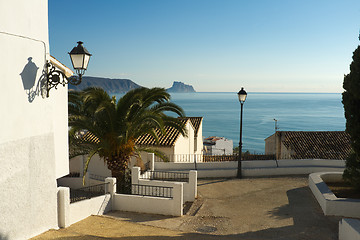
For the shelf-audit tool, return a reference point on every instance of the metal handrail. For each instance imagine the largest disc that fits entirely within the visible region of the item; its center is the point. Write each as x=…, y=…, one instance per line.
x=152, y=191
x=168, y=176
x=88, y=192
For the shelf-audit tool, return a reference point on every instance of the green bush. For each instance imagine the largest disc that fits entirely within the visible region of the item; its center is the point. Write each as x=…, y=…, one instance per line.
x=351, y=102
x=352, y=171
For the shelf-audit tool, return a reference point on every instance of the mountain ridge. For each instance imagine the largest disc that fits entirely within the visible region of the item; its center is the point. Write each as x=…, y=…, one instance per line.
x=118, y=85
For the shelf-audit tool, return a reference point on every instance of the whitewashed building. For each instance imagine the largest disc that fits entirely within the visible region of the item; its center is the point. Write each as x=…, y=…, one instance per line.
x=33, y=139
x=218, y=146
x=176, y=146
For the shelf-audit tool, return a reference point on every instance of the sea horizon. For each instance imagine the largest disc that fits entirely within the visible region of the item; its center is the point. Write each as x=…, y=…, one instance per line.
x=264, y=92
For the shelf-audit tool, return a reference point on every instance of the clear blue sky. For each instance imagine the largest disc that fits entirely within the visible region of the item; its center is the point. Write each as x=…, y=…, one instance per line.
x=214, y=45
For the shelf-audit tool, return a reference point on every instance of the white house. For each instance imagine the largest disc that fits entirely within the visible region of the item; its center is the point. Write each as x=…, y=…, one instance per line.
x=33, y=139
x=177, y=147
x=218, y=146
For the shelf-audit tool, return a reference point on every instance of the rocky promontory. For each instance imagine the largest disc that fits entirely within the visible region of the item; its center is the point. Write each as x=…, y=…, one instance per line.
x=181, y=88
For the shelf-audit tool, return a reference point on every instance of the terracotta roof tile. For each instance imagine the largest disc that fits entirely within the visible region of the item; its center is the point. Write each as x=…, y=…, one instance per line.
x=196, y=121
x=317, y=144
x=169, y=139
x=89, y=137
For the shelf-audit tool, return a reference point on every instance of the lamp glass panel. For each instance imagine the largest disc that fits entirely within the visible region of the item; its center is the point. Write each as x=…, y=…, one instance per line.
x=77, y=60
x=86, y=61
x=242, y=97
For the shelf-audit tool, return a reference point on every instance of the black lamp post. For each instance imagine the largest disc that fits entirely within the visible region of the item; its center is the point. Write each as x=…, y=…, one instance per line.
x=80, y=57
x=242, y=97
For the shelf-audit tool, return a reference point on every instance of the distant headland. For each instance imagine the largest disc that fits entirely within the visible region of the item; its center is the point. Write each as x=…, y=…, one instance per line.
x=181, y=88
x=108, y=84
x=115, y=85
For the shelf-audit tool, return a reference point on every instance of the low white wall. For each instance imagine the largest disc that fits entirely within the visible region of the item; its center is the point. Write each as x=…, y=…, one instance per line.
x=281, y=171
x=74, y=212
x=311, y=162
x=255, y=168
x=85, y=208
x=189, y=188
x=349, y=229
x=330, y=204
x=154, y=205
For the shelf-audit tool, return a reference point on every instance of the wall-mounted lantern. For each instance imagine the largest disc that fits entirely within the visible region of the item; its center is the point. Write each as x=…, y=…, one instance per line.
x=80, y=57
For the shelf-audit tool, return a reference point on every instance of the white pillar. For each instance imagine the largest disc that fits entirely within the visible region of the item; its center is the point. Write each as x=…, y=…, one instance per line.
x=111, y=186
x=135, y=175
x=152, y=161
x=193, y=182
x=63, y=196
x=178, y=198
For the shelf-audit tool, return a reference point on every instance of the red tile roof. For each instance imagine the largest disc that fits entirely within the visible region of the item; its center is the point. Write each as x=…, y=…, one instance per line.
x=89, y=137
x=169, y=139
x=317, y=144
x=196, y=121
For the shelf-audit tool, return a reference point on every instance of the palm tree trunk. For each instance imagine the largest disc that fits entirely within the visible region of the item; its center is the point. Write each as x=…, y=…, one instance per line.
x=118, y=165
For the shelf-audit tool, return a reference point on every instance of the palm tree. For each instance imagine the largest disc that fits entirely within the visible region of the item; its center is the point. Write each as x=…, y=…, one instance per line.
x=115, y=126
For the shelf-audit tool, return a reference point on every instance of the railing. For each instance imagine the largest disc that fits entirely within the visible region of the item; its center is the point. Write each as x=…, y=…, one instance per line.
x=250, y=157
x=152, y=191
x=220, y=158
x=196, y=158
x=192, y=158
x=168, y=176
x=87, y=192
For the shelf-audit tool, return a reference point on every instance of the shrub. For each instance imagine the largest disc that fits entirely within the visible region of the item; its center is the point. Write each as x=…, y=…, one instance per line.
x=351, y=102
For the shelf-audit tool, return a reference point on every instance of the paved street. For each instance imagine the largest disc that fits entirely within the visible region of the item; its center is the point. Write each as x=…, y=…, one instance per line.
x=253, y=208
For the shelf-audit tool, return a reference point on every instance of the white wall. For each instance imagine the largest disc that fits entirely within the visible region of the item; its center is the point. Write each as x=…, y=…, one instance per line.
x=255, y=168
x=70, y=213
x=270, y=147
x=200, y=145
x=155, y=205
x=330, y=204
x=33, y=139
x=349, y=229
x=97, y=165
x=223, y=146
x=189, y=187
x=185, y=145
x=85, y=208
x=76, y=164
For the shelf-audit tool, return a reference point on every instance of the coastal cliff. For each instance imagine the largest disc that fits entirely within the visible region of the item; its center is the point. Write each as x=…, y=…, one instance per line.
x=181, y=88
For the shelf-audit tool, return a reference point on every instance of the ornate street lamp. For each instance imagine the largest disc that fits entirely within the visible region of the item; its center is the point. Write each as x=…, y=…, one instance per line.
x=80, y=57
x=242, y=97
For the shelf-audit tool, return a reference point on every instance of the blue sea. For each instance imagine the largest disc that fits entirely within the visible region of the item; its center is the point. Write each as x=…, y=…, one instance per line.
x=293, y=112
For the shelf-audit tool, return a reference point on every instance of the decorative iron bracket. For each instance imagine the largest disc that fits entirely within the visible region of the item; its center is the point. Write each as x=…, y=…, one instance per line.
x=56, y=77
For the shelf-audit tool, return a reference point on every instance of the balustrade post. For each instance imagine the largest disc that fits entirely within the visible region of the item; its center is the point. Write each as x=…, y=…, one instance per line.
x=152, y=161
